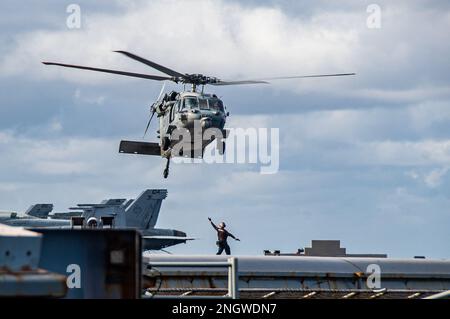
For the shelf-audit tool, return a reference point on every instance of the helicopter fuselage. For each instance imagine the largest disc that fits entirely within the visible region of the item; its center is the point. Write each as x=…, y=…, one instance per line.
x=189, y=111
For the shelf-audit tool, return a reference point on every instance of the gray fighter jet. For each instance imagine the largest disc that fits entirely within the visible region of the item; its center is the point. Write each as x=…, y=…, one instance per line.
x=141, y=214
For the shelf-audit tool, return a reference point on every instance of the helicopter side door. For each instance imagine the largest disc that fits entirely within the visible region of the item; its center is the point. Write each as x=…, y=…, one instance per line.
x=168, y=116
x=173, y=110
x=167, y=122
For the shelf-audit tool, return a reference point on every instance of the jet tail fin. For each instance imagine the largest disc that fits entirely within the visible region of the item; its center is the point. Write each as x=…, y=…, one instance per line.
x=39, y=210
x=143, y=212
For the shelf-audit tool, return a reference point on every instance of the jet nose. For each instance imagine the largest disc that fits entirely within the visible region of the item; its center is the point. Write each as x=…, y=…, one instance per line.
x=179, y=233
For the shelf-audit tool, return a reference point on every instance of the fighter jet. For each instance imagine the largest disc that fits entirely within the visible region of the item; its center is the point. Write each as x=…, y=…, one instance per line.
x=35, y=216
x=141, y=214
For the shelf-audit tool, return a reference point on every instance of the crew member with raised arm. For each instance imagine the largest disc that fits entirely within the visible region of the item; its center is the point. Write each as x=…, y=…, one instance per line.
x=222, y=236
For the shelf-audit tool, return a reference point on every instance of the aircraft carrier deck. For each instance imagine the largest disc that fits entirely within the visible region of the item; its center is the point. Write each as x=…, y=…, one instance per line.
x=293, y=277
x=109, y=263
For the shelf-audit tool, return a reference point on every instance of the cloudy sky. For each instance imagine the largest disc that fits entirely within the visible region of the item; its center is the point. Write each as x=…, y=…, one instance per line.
x=363, y=159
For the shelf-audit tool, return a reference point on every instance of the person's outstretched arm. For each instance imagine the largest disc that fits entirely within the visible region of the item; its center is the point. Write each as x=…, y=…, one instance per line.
x=213, y=225
x=232, y=236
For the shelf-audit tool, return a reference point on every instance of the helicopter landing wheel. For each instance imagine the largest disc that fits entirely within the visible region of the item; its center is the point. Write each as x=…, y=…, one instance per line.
x=165, y=143
x=166, y=170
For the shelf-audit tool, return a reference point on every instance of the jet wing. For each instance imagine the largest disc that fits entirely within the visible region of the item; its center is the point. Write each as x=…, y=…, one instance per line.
x=161, y=242
x=169, y=237
x=143, y=148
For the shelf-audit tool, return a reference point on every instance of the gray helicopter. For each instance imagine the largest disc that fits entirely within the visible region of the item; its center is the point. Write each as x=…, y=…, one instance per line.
x=184, y=111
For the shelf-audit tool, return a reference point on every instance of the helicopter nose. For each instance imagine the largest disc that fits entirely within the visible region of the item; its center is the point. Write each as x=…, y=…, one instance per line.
x=206, y=122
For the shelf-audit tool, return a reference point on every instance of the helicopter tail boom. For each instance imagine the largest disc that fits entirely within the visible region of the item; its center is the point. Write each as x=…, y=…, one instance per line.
x=142, y=148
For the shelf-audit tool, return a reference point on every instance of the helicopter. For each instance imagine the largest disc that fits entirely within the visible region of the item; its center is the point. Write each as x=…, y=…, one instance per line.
x=185, y=111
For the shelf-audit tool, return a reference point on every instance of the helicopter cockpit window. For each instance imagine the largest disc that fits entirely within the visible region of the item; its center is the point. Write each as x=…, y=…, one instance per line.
x=215, y=104
x=190, y=103
x=203, y=104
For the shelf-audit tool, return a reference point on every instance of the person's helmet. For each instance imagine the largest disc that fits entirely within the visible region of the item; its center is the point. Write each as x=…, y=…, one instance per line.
x=222, y=225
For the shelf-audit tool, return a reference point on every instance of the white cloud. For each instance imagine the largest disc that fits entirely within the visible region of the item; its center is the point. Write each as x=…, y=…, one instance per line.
x=359, y=137
x=224, y=39
x=410, y=95
x=338, y=167
x=55, y=125
x=434, y=178
x=431, y=178
x=59, y=168
x=405, y=153
x=67, y=170
x=97, y=99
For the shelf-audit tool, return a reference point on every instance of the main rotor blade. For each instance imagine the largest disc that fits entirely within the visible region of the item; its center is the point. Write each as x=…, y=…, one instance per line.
x=161, y=92
x=264, y=81
x=136, y=75
x=220, y=83
x=306, y=76
x=148, y=124
x=154, y=65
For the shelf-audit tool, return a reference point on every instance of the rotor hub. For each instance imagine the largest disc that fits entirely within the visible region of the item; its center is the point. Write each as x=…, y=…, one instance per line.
x=199, y=79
